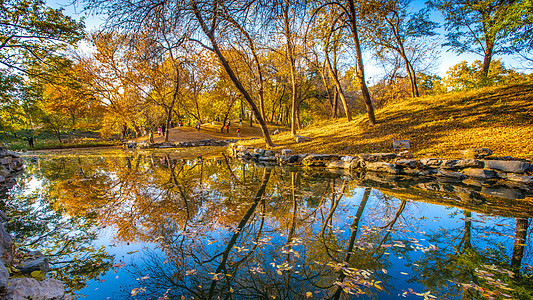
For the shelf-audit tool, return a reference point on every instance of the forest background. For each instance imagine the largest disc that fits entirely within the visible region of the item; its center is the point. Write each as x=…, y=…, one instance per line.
x=269, y=63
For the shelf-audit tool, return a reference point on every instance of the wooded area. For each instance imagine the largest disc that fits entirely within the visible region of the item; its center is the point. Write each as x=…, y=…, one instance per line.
x=283, y=62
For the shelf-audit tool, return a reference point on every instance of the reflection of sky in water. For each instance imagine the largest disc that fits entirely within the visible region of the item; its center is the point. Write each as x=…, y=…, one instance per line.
x=111, y=285
x=408, y=244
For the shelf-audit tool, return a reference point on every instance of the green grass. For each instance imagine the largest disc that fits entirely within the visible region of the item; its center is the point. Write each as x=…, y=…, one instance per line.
x=46, y=144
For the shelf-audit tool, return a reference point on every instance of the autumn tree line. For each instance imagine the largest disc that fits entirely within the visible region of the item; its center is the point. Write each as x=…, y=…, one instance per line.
x=283, y=62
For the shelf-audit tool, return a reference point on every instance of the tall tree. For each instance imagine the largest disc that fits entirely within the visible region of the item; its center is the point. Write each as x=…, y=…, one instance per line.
x=198, y=21
x=402, y=29
x=350, y=13
x=484, y=27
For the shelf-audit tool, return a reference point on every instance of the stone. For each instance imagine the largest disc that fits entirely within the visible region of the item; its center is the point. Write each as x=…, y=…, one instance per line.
x=470, y=198
x=469, y=163
x=512, y=194
x=39, y=263
x=301, y=139
x=338, y=164
x=401, y=144
x=519, y=178
x=382, y=167
x=357, y=163
x=374, y=157
x=29, y=288
x=413, y=172
x=448, y=164
x=347, y=158
x=450, y=174
x=431, y=162
x=2, y=179
x=268, y=158
x=319, y=160
x=6, y=245
x=405, y=154
x=269, y=153
x=409, y=163
x=294, y=159
x=4, y=278
x=480, y=173
x=511, y=166
x=476, y=153
x=286, y=151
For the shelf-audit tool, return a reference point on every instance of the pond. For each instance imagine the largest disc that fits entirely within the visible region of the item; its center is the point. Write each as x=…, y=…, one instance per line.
x=147, y=225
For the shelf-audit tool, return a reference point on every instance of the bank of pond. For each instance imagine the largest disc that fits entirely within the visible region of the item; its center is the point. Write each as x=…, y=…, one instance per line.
x=120, y=224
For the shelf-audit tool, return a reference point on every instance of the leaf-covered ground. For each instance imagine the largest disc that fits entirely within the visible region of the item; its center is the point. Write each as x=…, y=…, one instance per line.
x=499, y=118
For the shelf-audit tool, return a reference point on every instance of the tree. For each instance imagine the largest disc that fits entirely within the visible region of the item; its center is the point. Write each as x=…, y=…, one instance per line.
x=31, y=30
x=485, y=27
x=199, y=22
x=350, y=14
x=402, y=30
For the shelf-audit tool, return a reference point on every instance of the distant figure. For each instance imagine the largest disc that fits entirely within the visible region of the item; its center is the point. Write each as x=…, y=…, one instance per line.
x=181, y=124
x=163, y=128
x=151, y=136
x=238, y=132
x=197, y=126
x=30, y=141
x=159, y=131
x=189, y=120
x=240, y=122
x=227, y=127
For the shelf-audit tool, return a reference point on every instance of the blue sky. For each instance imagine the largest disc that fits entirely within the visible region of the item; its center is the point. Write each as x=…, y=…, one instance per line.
x=447, y=58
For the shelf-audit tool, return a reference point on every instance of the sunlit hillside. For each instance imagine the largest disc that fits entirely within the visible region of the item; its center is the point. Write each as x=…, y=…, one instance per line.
x=499, y=118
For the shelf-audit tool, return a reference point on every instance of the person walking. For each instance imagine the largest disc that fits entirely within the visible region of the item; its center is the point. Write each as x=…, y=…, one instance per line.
x=238, y=132
x=151, y=136
x=197, y=126
x=227, y=127
x=163, y=128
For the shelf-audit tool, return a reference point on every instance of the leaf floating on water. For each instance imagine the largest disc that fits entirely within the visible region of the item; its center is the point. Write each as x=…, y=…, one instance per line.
x=308, y=294
x=403, y=273
x=131, y=252
x=384, y=271
x=190, y=272
x=143, y=278
x=134, y=292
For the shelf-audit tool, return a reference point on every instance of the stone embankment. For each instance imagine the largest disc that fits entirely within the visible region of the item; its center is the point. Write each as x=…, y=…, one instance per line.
x=476, y=168
x=19, y=261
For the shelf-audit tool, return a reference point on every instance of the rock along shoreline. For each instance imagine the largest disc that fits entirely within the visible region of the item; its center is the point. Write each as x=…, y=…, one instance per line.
x=23, y=261
x=477, y=168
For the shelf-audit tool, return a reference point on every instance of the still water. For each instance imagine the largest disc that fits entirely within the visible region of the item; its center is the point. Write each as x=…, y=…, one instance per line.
x=134, y=225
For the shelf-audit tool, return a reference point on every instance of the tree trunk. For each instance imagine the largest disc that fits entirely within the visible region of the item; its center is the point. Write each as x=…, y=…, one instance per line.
x=335, y=76
x=292, y=66
x=339, y=91
x=360, y=65
x=487, y=60
x=231, y=74
x=522, y=225
x=355, y=228
x=410, y=70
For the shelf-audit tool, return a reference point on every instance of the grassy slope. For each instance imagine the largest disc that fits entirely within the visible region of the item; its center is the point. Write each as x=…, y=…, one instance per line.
x=499, y=118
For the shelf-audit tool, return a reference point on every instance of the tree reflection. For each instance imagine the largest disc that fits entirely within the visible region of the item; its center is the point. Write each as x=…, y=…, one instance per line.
x=226, y=229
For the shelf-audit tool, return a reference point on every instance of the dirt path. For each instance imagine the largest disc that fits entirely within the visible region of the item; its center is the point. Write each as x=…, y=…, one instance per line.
x=208, y=131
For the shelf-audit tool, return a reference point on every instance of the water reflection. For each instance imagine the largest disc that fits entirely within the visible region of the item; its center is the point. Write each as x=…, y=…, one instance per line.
x=224, y=229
